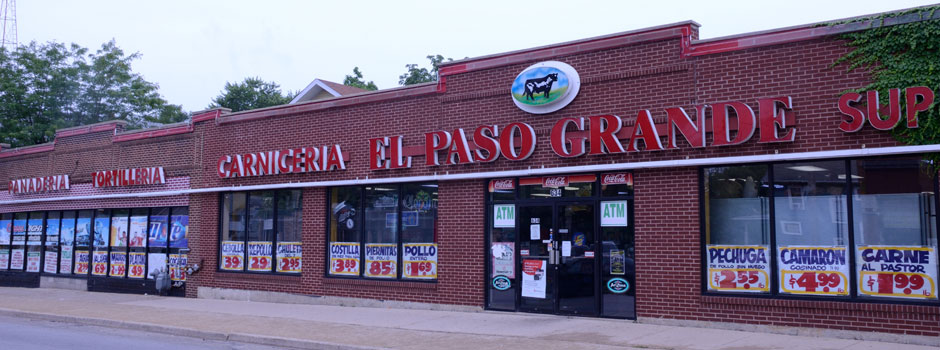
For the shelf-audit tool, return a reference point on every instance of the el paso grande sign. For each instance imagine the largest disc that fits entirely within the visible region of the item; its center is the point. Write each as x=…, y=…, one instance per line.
x=572, y=137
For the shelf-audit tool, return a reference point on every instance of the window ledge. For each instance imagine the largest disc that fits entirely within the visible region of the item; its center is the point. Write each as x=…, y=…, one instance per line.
x=395, y=284
x=823, y=304
x=258, y=277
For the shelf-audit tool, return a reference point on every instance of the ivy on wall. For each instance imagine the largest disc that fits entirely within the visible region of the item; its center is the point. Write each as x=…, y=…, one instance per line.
x=900, y=56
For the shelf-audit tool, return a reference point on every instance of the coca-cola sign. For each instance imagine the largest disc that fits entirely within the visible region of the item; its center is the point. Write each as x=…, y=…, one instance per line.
x=503, y=184
x=617, y=179
x=554, y=181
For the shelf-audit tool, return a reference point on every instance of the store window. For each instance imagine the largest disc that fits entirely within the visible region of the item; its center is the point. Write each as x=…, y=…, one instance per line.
x=66, y=242
x=34, y=238
x=6, y=235
x=50, y=257
x=376, y=229
x=829, y=223
x=253, y=223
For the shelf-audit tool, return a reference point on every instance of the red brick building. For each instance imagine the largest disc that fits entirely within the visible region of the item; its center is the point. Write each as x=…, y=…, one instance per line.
x=643, y=175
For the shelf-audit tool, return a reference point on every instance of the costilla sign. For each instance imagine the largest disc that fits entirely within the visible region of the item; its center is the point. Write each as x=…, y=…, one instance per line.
x=39, y=184
x=606, y=134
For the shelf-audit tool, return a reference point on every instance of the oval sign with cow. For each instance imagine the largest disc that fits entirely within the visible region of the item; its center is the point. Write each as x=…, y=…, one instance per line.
x=545, y=87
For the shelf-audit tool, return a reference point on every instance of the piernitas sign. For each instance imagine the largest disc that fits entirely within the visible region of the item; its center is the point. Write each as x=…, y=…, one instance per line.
x=731, y=123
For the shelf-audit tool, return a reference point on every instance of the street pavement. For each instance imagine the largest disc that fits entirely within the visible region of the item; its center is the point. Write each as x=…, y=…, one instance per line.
x=338, y=327
x=28, y=334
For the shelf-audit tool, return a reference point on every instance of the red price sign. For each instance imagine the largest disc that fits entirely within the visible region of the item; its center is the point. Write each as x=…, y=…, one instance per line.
x=744, y=280
x=81, y=268
x=99, y=269
x=117, y=270
x=136, y=271
x=291, y=264
x=259, y=263
x=814, y=282
x=897, y=284
x=344, y=266
x=385, y=269
x=232, y=262
x=421, y=269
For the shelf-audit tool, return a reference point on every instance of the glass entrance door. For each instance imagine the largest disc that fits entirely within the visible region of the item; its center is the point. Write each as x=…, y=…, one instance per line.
x=575, y=262
x=536, y=253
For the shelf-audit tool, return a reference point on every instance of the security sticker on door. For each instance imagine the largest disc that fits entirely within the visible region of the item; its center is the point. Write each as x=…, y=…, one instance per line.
x=614, y=214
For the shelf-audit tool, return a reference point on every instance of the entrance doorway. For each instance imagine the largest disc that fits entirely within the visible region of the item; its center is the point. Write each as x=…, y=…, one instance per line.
x=561, y=249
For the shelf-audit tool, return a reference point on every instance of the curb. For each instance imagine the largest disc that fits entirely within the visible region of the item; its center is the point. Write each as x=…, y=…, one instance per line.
x=186, y=332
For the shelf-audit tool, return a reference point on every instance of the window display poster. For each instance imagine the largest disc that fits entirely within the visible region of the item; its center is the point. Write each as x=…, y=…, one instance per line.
x=813, y=270
x=233, y=255
x=617, y=260
x=138, y=232
x=19, y=231
x=381, y=260
x=135, y=264
x=67, y=234
x=119, y=231
x=52, y=228
x=158, y=231
x=99, y=263
x=178, y=267
x=534, y=278
x=51, y=261
x=504, y=215
x=6, y=231
x=179, y=226
x=18, y=259
x=81, y=262
x=83, y=232
x=259, y=256
x=344, y=258
x=504, y=259
x=155, y=262
x=289, y=257
x=908, y=272
x=118, y=264
x=419, y=260
x=744, y=268
x=65, y=263
x=4, y=259
x=32, y=261
x=101, y=232
x=35, y=234
x=614, y=214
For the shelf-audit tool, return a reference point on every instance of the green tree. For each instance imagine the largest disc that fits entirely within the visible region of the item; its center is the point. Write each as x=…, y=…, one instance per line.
x=355, y=80
x=415, y=75
x=47, y=86
x=252, y=93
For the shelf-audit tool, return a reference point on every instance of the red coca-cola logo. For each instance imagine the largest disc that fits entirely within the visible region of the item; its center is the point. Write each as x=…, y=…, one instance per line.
x=614, y=179
x=505, y=184
x=555, y=181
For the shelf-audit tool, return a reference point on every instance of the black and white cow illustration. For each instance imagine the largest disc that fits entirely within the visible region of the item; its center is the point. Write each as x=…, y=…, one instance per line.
x=543, y=84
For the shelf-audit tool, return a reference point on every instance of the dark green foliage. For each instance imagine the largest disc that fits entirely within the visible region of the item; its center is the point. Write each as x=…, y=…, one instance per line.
x=901, y=56
x=252, y=93
x=355, y=80
x=44, y=87
x=416, y=75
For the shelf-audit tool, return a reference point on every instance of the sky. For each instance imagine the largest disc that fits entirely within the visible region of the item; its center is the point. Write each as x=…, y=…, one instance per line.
x=192, y=48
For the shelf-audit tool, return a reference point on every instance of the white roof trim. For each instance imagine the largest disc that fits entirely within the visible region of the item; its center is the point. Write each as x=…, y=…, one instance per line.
x=316, y=83
x=760, y=158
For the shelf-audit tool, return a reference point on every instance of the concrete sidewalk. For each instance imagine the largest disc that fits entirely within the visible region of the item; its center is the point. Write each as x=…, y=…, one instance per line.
x=338, y=327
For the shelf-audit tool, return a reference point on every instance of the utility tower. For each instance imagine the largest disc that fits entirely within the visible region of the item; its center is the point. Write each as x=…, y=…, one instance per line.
x=8, y=20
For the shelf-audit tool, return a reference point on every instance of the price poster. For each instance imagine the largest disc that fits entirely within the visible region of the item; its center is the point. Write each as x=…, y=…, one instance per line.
x=534, y=278
x=381, y=260
x=81, y=262
x=813, y=270
x=138, y=233
x=743, y=268
x=288, y=257
x=4, y=259
x=504, y=259
x=51, y=262
x=135, y=266
x=233, y=255
x=6, y=231
x=344, y=258
x=259, y=256
x=155, y=261
x=18, y=259
x=32, y=262
x=178, y=267
x=119, y=231
x=118, y=264
x=897, y=271
x=99, y=263
x=65, y=263
x=419, y=260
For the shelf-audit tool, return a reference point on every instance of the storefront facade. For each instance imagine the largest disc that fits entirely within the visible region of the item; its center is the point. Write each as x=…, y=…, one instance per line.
x=642, y=175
